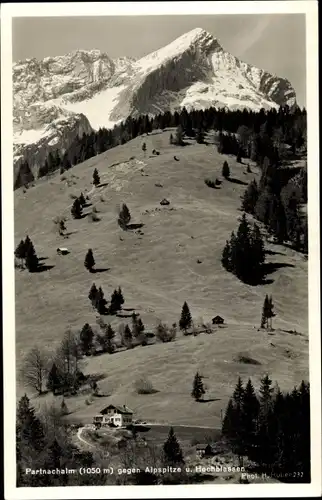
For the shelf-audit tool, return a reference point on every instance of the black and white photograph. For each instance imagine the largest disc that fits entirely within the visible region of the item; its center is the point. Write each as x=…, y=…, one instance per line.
x=160, y=186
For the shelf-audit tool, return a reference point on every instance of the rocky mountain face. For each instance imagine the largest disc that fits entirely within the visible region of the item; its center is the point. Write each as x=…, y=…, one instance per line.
x=60, y=97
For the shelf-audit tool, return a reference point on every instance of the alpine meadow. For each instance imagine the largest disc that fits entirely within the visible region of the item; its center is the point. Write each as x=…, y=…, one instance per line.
x=161, y=269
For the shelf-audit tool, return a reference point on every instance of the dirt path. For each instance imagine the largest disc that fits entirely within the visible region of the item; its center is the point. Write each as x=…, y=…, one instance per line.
x=79, y=436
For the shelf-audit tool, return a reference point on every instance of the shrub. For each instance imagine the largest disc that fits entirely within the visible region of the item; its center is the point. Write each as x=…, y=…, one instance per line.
x=164, y=333
x=144, y=386
x=210, y=183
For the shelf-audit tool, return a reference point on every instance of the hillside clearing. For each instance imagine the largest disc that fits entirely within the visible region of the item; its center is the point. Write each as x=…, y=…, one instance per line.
x=193, y=227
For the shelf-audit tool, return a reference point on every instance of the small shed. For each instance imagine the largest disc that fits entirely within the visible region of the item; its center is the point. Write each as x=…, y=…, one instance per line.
x=164, y=202
x=62, y=251
x=218, y=320
x=204, y=450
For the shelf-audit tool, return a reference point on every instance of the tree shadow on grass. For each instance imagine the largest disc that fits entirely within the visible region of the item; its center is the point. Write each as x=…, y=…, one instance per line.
x=100, y=270
x=42, y=258
x=119, y=315
x=208, y=400
x=134, y=226
x=272, y=252
x=237, y=181
x=267, y=269
x=103, y=185
x=271, y=267
x=42, y=268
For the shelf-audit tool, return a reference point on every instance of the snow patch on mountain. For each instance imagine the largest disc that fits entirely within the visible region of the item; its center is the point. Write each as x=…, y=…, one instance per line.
x=60, y=97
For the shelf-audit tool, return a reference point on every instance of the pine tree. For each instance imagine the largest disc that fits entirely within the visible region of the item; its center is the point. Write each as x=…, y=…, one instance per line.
x=265, y=439
x=54, y=381
x=96, y=178
x=100, y=301
x=89, y=262
x=55, y=454
x=120, y=297
x=172, y=451
x=32, y=261
x=171, y=139
x=20, y=251
x=127, y=337
x=93, y=295
x=185, y=319
x=225, y=170
x=265, y=313
x=124, y=216
x=228, y=421
x=82, y=200
x=29, y=429
x=86, y=339
x=226, y=256
x=250, y=198
x=271, y=313
x=250, y=411
x=200, y=137
x=144, y=148
x=198, y=389
x=76, y=209
x=179, y=136
x=114, y=303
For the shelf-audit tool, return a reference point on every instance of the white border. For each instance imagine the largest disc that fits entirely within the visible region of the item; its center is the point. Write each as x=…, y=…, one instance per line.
x=159, y=8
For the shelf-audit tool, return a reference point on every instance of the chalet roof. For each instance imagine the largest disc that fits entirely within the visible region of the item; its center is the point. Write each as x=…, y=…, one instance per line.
x=125, y=410
x=216, y=318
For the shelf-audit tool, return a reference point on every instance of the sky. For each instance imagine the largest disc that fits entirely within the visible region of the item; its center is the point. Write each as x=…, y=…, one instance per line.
x=273, y=42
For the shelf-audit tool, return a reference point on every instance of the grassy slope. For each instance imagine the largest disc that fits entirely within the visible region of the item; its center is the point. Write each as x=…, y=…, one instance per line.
x=157, y=272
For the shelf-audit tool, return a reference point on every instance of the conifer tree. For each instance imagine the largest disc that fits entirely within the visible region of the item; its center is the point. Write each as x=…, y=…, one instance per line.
x=20, y=251
x=144, y=148
x=172, y=452
x=54, y=381
x=29, y=429
x=89, y=262
x=100, y=301
x=110, y=333
x=265, y=439
x=76, y=209
x=250, y=411
x=265, y=313
x=225, y=170
x=93, y=295
x=200, y=137
x=114, y=303
x=228, y=421
x=198, y=389
x=96, y=178
x=250, y=198
x=179, y=136
x=86, y=339
x=226, y=256
x=185, y=319
x=124, y=216
x=120, y=297
x=127, y=337
x=55, y=454
x=32, y=261
x=171, y=139
x=82, y=200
